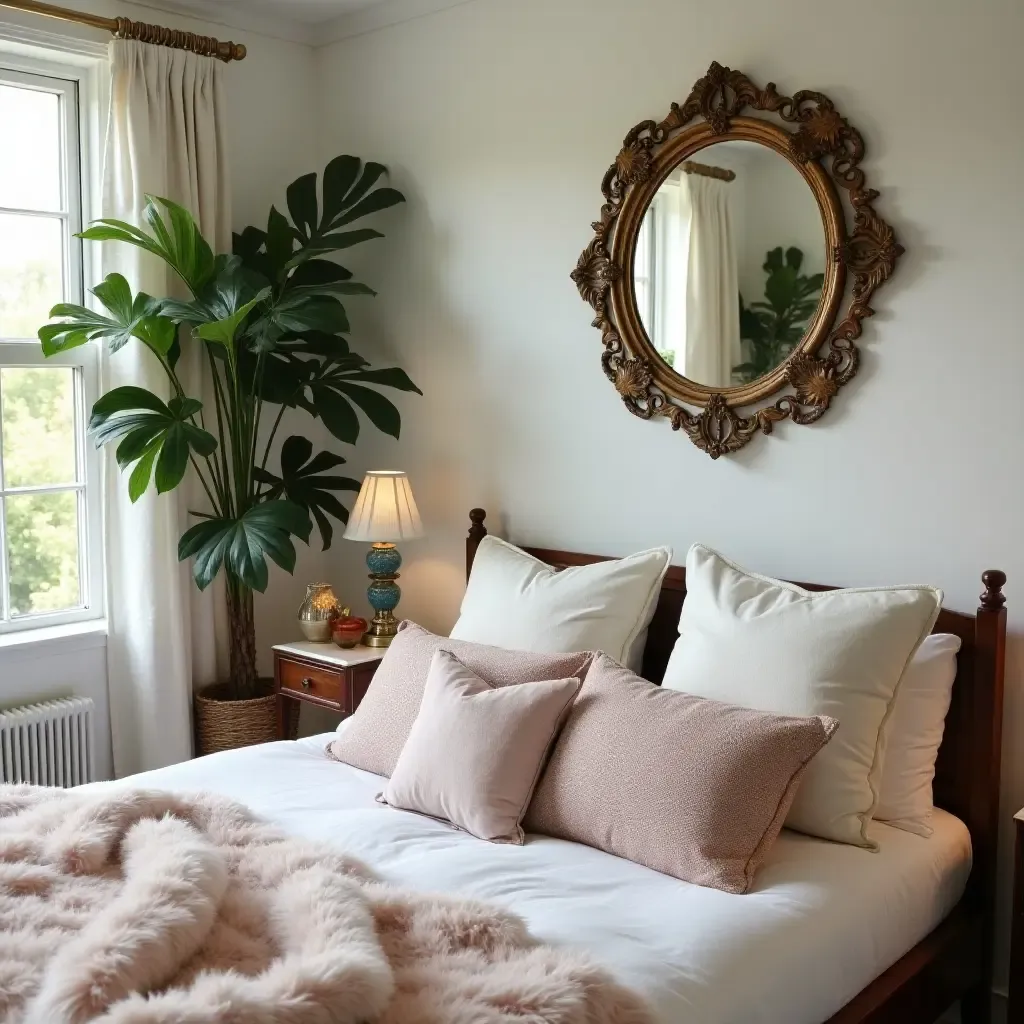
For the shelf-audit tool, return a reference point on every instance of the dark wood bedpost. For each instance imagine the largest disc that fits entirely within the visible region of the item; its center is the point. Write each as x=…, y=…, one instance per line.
x=983, y=819
x=477, y=532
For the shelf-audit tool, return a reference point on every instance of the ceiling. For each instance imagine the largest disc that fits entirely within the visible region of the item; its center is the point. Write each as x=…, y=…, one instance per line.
x=306, y=12
x=305, y=21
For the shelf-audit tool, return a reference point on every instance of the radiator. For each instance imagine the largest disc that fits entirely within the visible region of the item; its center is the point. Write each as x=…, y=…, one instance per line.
x=48, y=744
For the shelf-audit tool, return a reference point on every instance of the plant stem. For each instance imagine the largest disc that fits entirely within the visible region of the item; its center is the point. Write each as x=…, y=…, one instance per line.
x=202, y=480
x=257, y=392
x=243, y=639
x=219, y=403
x=273, y=432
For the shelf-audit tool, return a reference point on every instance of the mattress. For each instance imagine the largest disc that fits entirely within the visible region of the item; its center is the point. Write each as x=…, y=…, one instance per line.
x=822, y=921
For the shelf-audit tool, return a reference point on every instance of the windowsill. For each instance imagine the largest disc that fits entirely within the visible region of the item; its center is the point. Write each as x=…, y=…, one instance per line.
x=66, y=639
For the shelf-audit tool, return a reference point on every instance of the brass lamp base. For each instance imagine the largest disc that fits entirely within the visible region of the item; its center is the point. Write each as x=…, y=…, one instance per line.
x=382, y=630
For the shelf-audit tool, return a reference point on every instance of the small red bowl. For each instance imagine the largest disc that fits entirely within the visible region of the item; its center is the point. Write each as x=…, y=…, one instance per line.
x=348, y=634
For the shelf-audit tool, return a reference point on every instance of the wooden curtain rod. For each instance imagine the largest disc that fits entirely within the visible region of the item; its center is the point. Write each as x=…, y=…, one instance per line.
x=124, y=28
x=721, y=173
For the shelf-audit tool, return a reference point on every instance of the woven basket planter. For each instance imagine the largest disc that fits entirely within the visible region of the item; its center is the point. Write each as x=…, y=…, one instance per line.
x=224, y=724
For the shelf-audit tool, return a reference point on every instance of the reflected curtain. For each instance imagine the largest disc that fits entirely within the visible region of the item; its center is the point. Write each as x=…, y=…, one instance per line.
x=166, y=136
x=672, y=244
x=712, y=346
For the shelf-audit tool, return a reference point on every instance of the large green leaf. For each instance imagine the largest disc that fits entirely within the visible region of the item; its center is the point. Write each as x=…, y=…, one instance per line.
x=175, y=239
x=302, y=204
x=348, y=195
x=305, y=479
x=249, y=247
x=336, y=392
x=292, y=363
x=139, y=317
x=315, y=271
x=339, y=177
x=280, y=242
x=243, y=544
x=232, y=287
x=298, y=312
x=156, y=435
x=390, y=377
x=336, y=201
x=322, y=244
x=222, y=332
x=381, y=199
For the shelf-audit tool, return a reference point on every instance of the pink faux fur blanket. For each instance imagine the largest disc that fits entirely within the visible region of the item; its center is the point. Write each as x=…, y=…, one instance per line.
x=139, y=907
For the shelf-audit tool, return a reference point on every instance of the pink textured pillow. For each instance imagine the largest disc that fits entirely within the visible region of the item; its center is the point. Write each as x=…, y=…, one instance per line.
x=475, y=751
x=685, y=785
x=376, y=733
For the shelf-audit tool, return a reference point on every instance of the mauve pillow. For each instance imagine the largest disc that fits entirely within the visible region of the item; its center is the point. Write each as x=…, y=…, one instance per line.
x=475, y=751
x=691, y=787
x=375, y=734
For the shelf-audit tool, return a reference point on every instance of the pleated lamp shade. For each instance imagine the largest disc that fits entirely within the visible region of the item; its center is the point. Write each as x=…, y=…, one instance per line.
x=385, y=509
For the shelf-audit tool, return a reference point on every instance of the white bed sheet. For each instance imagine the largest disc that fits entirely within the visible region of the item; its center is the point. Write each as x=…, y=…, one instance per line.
x=822, y=922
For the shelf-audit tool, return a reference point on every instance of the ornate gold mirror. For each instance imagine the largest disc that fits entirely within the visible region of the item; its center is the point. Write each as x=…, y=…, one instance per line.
x=719, y=264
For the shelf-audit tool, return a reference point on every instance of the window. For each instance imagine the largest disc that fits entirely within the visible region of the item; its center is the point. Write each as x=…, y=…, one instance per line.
x=644, y=267
x=50, y=516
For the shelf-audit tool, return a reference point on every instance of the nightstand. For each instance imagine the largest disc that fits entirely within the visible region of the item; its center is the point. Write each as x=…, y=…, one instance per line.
x=321, y=674
x=1015, y=1002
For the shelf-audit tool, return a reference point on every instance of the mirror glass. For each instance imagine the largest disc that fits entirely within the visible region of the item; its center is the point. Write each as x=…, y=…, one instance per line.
x=729, y=263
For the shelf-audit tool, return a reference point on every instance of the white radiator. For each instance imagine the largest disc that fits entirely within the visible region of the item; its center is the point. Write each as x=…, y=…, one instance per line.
x=48, y=744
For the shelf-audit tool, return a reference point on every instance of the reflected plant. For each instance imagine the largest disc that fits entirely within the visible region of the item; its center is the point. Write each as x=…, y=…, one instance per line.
x=270, y=323
x=773, y=327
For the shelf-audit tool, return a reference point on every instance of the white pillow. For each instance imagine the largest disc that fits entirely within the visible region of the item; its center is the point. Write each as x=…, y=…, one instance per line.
x=761, y=643
x=912, y=736
x=515, y=600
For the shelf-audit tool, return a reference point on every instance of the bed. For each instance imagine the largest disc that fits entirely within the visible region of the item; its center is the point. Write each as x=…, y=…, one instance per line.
x=829, y=934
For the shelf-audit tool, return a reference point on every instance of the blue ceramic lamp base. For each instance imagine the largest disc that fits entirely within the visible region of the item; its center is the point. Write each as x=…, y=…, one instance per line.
x=383, y=593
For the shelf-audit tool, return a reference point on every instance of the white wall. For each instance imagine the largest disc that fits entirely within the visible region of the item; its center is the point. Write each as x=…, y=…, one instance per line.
x=499, y=120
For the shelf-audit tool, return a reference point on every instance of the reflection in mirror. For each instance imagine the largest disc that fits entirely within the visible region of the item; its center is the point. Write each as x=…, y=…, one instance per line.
x=728, y=264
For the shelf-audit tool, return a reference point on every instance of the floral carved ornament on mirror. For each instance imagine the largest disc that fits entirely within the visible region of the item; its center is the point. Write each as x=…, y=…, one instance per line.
x=616, y=273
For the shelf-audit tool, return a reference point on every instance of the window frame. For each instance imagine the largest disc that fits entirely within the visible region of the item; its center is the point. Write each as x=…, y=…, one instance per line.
x=72, y=84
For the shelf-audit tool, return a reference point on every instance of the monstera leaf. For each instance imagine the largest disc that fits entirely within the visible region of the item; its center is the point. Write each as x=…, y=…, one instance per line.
x=348, y=194
x=139, y=317
x=774, y=326
x=306, y=481
x=154, y=435
x=336, y=393
x=243, y=543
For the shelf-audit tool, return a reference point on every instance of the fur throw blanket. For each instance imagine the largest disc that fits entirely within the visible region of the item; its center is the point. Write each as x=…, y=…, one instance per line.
x=137, y=907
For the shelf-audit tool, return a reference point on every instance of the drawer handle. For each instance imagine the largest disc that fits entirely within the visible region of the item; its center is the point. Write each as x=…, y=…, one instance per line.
x=307, y=682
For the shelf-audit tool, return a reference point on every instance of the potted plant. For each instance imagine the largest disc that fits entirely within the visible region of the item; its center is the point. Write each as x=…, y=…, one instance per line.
x=272, y=325
x=774, y=327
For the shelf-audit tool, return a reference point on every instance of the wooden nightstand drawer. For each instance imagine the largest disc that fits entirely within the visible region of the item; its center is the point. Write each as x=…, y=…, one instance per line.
x=306, y=681
x=321, y=674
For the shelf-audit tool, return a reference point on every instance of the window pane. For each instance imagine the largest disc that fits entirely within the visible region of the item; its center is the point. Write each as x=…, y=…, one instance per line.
x=42, y=552
x=31, y=272
x=30, y=142
x=38, y=426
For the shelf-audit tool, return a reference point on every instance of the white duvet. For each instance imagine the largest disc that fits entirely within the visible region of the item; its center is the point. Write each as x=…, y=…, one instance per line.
x=822, y=921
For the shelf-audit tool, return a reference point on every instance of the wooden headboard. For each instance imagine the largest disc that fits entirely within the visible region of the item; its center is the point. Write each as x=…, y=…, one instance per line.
x=967, y=773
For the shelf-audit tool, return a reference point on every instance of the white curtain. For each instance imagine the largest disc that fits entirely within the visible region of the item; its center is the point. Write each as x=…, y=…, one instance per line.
x=712, y=346
x=166, y=136
x=672, y=245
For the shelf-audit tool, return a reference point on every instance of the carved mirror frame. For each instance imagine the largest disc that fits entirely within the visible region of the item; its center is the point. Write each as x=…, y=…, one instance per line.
x=827, y=151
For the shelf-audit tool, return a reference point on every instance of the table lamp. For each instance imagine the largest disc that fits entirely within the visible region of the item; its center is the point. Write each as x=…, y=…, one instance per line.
x=384, y=512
